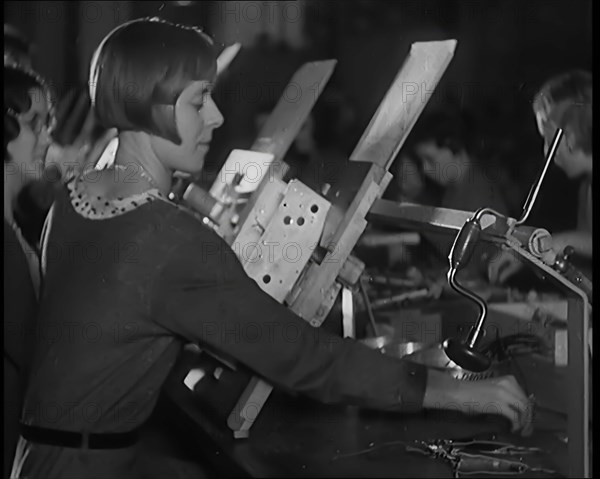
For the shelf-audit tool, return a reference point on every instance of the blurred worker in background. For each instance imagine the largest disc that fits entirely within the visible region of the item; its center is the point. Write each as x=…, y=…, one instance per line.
x=76, y=140
x=564, y=101
x=28, y=120
x=444, y=143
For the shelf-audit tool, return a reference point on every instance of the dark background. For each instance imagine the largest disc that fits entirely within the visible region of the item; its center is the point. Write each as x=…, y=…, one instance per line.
x=506, y=49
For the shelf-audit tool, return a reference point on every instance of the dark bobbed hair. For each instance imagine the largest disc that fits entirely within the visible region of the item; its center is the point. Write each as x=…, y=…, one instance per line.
x=141, y=68
x=447, y=128
x=19, y=87
x=573, y=88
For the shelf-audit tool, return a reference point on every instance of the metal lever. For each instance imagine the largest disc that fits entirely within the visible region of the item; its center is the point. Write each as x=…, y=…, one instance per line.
x=563, y=265
x=535, y=189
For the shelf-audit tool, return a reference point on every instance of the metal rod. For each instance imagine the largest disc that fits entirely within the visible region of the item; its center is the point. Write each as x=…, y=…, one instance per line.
x=476, y=331
x=399, y=298
x=389, y=281
x=369, y=310
x=535, y=189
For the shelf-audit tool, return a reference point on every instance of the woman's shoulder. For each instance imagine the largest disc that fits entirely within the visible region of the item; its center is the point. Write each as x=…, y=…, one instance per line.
x=183, y=219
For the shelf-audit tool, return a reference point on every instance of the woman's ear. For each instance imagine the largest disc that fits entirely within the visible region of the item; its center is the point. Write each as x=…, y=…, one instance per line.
x=164, y=118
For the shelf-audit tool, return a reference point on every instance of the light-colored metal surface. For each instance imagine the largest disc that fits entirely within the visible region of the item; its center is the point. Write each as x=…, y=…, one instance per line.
x=434, y=357
x=392, y=346
x=400, y=298
x=428, y=354
x=427, y=217
x=348, y=314
x=278, y=257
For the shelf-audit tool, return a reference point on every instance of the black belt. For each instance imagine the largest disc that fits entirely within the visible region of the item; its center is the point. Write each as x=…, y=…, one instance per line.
x=78, y=440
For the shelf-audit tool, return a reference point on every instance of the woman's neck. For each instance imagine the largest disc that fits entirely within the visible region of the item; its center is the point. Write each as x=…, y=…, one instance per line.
x=10, y=198
x=135, y=151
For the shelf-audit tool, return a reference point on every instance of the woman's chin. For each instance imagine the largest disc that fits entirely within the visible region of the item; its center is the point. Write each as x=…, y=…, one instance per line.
x=195, y=169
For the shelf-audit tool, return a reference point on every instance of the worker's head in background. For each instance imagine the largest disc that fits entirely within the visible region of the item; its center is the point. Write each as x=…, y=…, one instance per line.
x=565, y=101
x=28, y=120
x=440, y=142
x=17, y=48
x=153, y=79
x=408, y=175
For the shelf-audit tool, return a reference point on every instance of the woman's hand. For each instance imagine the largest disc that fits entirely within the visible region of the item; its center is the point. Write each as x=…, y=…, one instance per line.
x=503, y=266
x=501, y=396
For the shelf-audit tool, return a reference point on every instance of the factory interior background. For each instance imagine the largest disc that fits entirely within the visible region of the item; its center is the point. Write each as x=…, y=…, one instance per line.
x=506, y=49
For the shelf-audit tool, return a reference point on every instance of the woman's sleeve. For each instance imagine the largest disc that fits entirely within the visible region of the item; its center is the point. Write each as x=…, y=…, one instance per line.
x=203, y=294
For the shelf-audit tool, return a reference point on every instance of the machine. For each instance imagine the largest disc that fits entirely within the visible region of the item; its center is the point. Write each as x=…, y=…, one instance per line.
x=297, y=243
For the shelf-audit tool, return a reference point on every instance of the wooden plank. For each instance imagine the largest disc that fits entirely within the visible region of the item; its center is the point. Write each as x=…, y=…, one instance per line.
x=403, y=103
x=353, y=197
x=282, y=126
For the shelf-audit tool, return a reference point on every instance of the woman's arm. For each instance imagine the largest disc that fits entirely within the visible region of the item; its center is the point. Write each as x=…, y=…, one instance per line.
x=203, y=294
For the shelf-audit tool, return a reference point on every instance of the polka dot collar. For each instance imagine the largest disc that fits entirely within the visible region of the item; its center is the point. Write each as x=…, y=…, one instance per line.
x=98, y=207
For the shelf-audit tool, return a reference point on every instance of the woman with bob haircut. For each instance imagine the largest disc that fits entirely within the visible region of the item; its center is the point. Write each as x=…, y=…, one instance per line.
x=148, y=277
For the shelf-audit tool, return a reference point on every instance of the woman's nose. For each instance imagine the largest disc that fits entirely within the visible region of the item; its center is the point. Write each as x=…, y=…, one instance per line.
x=215, y=118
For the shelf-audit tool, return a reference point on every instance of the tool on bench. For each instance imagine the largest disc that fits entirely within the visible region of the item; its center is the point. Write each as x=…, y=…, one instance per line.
x=468, y=457
x=479, y=457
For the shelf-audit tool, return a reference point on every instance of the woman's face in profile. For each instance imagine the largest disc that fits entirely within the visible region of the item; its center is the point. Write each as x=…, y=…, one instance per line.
x=568, y=158
x=196, y=116
x=28, y=151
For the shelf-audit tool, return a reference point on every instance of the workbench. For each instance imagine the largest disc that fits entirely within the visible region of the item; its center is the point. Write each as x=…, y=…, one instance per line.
x=298, y=437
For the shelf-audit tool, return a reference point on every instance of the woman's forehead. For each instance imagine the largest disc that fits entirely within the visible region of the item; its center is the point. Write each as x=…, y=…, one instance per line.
x=197, y=87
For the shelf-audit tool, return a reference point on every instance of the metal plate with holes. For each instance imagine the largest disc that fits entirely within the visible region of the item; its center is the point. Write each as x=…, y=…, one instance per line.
x=287, y=244
x=256, y=223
